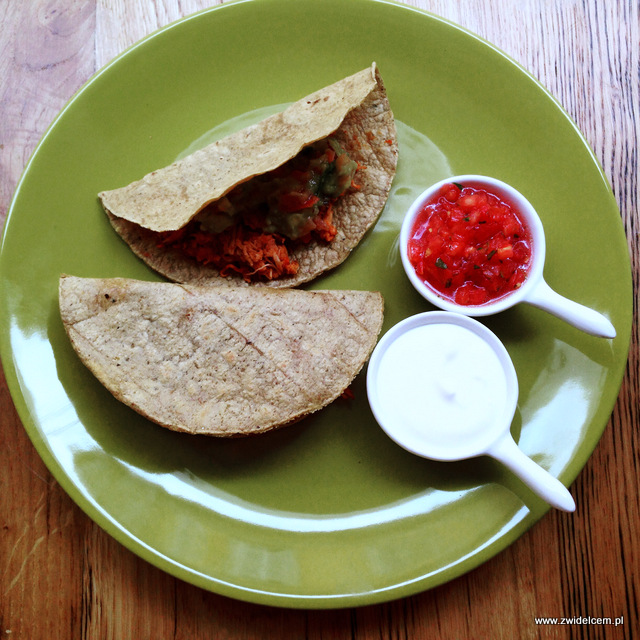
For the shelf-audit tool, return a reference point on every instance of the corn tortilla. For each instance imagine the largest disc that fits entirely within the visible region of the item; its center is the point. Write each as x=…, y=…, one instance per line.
x=354, y=110
x=222, y=361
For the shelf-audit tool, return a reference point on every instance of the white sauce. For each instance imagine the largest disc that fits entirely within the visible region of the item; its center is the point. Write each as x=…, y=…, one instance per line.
x=439, y=387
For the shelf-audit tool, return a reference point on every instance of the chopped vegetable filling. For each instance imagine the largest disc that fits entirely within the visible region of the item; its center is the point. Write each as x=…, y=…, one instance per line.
x=252, y=229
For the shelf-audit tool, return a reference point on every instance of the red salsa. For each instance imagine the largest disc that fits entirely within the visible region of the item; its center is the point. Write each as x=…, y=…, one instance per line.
x=470, y=246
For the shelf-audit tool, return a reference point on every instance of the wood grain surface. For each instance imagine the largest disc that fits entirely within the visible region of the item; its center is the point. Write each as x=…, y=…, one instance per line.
x=61, y=576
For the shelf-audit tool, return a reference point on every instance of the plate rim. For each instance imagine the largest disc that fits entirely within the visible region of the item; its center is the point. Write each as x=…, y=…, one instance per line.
x=121, y=534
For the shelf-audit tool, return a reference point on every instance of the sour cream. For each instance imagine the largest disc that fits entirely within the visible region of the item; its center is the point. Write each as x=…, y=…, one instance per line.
x=442, y=385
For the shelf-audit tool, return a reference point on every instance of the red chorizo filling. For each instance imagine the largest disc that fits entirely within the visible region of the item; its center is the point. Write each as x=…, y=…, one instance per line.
x=252, y=230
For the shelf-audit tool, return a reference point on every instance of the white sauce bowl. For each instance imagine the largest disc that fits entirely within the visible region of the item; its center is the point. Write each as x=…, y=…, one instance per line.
x=442, y=386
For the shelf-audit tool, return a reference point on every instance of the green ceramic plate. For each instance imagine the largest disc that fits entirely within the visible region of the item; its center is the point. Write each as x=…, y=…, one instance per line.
x=330, y=512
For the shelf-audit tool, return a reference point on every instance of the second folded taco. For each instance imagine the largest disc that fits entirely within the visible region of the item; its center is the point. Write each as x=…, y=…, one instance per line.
x=220, y=361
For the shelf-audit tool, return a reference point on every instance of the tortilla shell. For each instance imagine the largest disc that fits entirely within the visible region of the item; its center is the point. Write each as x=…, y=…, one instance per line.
x=354, y=110
x=222, y=361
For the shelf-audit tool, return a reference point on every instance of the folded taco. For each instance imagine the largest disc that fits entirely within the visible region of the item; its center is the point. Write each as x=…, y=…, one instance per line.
x=222, y=361
x=277, y=203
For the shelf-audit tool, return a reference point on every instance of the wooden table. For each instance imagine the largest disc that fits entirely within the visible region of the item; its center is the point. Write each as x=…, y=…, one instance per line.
x=63, y=577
